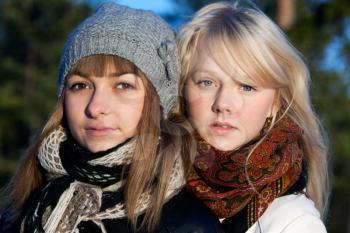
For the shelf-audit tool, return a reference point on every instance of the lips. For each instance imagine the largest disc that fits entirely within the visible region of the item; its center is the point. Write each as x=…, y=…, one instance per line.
x=99, y=131
x=222, y=128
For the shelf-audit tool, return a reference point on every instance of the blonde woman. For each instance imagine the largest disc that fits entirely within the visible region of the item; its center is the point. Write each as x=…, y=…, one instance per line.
x=261, y=163
x=109, y=159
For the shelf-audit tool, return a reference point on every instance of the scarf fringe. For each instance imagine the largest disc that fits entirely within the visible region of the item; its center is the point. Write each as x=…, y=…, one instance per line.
x=82, y=201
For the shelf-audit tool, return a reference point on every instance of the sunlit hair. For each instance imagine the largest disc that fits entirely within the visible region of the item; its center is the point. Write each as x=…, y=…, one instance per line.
x=244, y=37
x=153, y=158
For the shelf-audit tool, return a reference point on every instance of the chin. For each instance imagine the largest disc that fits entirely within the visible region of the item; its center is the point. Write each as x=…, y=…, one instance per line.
x=223, y=146
x=102, y=144
x=99, y=148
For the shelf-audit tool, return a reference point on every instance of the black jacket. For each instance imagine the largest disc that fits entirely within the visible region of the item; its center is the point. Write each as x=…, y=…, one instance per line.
x=182, y=214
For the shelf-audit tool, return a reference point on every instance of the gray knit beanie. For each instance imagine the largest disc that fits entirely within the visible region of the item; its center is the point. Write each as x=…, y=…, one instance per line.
x=139, y=36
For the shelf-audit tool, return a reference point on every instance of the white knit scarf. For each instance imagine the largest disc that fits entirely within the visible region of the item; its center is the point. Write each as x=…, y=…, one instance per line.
x=82, y=201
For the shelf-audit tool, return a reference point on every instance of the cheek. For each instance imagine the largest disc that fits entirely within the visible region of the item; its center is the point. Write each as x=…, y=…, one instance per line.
x=72, y=109
x=75, y=107
x=73, y=113
x=131, y=113
x=260, y=111
x=136, y=114
x=198, y=102
x=198, y=107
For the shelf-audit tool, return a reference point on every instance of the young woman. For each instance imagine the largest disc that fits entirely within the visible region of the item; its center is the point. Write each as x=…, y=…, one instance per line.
x=109, y=159
x=261, y=161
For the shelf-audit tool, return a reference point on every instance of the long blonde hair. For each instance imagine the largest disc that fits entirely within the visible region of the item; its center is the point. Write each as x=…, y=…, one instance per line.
x=245, y=37
x=152, y=160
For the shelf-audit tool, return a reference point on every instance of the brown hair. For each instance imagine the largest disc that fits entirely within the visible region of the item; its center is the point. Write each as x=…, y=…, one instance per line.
x=153, y=159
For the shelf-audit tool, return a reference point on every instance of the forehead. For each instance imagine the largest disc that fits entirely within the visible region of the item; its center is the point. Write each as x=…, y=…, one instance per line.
x=235, y=58
x=102, y=65
x=109, y=71
x=216, y=62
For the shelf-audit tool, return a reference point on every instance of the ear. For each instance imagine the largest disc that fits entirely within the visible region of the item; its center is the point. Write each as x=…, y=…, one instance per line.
x=276, y=105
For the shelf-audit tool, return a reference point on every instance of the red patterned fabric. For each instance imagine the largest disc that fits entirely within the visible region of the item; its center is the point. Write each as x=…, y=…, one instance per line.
x=220, y=178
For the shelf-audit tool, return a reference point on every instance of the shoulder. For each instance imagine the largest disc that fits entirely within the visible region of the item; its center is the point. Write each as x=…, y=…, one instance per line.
x=7, y=221
x=290, y=213
x=185, y=213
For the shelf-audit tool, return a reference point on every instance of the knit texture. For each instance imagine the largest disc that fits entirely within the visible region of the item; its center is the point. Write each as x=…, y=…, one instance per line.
x=76, y=192
x=139, y=36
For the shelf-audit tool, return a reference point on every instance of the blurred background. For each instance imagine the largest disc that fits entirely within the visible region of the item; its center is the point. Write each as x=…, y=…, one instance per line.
x=32, y=33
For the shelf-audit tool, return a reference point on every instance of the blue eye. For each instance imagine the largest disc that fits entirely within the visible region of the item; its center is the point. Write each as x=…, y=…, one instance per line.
x=205, y=83
x=247, y=88
x=125, y=86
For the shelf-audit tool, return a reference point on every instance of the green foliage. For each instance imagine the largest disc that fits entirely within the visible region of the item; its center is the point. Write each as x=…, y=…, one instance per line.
x=318, y=25
x=32, y=34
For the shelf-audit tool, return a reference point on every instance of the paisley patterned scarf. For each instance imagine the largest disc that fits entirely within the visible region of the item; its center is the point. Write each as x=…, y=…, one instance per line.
x=251, y=176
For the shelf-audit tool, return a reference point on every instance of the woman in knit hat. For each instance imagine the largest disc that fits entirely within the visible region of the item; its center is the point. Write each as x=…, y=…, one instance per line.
x=109, y=159
x=261, y=163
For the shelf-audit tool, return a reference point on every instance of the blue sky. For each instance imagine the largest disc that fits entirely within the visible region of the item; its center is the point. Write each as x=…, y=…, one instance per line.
x=161, y=7
x=158, y=6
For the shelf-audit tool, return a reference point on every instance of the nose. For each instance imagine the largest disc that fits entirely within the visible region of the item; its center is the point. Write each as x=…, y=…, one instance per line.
x=98, y=104
x=227, y=100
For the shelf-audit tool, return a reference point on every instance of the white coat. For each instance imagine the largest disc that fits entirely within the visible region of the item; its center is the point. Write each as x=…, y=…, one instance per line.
x=293, y=213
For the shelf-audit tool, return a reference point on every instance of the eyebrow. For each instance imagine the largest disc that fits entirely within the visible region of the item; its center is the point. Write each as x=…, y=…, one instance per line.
x=110, y=75
x=203, y=72
x=238, y=79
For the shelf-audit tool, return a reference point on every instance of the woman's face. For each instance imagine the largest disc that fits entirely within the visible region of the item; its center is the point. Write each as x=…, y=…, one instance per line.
x=103, y=112
x=226, y=113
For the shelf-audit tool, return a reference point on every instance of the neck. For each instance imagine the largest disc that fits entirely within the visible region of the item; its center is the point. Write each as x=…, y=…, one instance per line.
x=228, y=180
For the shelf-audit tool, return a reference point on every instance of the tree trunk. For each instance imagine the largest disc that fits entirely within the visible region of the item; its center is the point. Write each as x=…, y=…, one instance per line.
x=285, y=13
